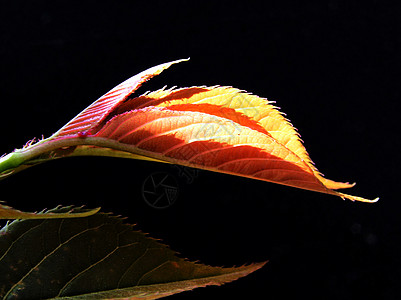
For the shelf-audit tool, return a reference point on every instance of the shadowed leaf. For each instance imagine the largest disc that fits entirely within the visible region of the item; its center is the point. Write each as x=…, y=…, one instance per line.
x=96, y=257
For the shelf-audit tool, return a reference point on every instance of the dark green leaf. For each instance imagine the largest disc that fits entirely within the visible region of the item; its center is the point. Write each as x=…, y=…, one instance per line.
x=96, y=257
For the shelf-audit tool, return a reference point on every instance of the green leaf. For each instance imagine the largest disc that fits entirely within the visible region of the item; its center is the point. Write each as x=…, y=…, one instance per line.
x=7, y=212
x=96, y=257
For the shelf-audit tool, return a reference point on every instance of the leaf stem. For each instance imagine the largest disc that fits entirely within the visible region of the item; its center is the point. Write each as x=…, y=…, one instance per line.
x=47, y=150
x=10, y=161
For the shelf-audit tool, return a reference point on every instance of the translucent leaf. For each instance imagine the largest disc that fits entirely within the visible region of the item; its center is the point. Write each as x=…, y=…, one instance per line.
x=221, y=129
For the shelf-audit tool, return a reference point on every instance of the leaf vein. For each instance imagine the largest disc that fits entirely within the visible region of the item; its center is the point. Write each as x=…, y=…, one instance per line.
x=48, y=255
x=93, y=265
x=133, y=263
x=21, y=236
x=139, y=127
x=152, y=270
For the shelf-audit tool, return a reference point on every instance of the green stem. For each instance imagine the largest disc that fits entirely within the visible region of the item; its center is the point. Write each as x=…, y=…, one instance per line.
x=10, y=161
x=92, y=146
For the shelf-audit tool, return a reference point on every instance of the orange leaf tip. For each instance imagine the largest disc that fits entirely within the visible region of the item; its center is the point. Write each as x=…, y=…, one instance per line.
x=356, y=198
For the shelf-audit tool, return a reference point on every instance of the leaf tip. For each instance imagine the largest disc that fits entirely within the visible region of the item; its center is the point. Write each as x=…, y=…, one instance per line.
x=356, y=198
x=259, y=265
x=167, y=65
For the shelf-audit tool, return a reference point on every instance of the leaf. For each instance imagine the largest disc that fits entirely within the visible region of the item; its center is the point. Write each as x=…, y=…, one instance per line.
x=7, y=212
x=98, y=110
x=96, y=257
x=220, y=129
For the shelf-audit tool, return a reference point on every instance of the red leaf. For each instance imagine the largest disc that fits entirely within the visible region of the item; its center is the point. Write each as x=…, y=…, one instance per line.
x=217, y=128
x=99, y=109
x=209, y=141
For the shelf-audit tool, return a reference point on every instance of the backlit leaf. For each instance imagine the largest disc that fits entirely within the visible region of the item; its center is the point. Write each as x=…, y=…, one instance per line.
x=96, y=257
x=220, y=129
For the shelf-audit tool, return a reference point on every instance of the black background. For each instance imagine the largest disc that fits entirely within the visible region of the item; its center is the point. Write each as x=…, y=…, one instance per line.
x=332, y=66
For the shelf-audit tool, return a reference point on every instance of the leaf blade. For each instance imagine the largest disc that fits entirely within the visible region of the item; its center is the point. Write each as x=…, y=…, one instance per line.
x=86, y=134
x=9, y=213
x=96, y=256
x=261, y=110
x=209, y=141
x=99, y=109
x=157, y=291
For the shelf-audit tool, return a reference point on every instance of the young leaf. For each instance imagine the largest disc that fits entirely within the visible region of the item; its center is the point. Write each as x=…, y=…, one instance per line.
x=7, y=212
x=220, y=129
x=96, y=257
